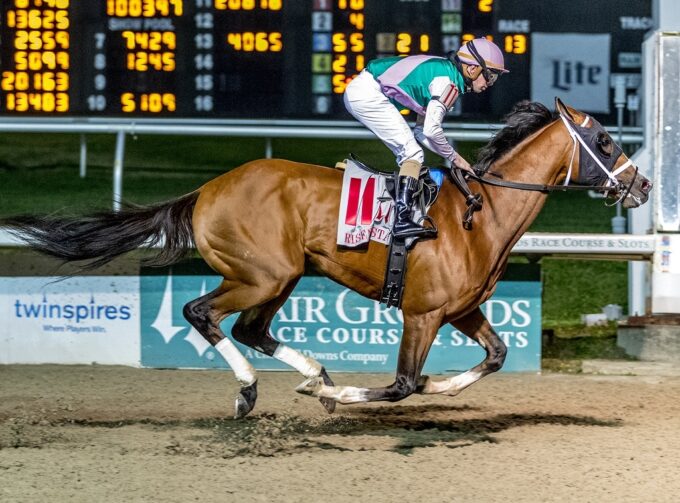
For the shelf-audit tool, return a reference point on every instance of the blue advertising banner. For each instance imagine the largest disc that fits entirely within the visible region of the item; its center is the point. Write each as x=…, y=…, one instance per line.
x=341, y=329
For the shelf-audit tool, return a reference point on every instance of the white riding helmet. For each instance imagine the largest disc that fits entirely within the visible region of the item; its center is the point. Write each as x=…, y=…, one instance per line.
x=482, y=52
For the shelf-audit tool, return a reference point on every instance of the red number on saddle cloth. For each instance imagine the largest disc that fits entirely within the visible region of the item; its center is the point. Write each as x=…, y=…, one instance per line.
x=367, y=200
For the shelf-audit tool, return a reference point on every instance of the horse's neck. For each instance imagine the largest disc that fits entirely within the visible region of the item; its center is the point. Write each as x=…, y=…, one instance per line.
x=535, y=161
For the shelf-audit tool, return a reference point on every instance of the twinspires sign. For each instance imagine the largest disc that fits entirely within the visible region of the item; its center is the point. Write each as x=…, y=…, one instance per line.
x=341, y=329
x=78, y=320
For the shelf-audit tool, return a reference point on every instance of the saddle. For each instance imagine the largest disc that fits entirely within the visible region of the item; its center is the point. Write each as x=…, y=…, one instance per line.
x=430, y=181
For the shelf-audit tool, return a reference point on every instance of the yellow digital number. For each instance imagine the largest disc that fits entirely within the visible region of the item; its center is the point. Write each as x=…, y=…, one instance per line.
x=155, y=40
x=339, y=42
x=21, y=102
x=156, y=102
x=152, y=41
x=45, y=81
x=138, y=61
x=403, y=43
x=168, y=62
x=11, y=19
x=7, y=82
x=62, y=19
x=49, y=17
x=485, y=5
x=39, y=102
x=339, y=63
x=351, y=4
x=256, y=42
x=356, y=42
x=149, y=102
x=21, y=40
x=63, y=103
x=144, y=8
x=262, y=42
x=62, y=81
x=14, y=81
x=36, y=61
x=516, y=44
x=271, y=4
x=57, y=4
x=339, y=84
x=36, y=40
x=142, y=61
x=63, y=60
x=127, y=100
x=424, y=43
x=234, y=40
x=48, y=104
x=276, y=41
x=63, y=39
x=356, y=19
x=235, y=4
x=35, y=19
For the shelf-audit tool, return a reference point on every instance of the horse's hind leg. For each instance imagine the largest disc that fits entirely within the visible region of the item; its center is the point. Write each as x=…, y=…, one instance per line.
x=252, y=329
x=205, y=318
x=477, y=327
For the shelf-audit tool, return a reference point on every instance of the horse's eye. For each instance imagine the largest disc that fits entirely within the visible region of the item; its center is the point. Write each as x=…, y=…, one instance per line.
x=604, y=144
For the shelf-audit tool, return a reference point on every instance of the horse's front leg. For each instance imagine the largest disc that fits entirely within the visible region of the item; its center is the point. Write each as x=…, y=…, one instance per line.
x=477, y=327
x=419, y=333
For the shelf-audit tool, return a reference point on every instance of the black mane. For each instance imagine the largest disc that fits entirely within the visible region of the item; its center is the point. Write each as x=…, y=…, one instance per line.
x=524, y=119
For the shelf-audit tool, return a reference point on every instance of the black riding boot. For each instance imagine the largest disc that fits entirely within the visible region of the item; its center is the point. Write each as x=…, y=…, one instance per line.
x=404, y=226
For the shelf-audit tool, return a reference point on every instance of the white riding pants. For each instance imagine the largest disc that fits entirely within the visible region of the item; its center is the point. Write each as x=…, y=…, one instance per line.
x=364, y=100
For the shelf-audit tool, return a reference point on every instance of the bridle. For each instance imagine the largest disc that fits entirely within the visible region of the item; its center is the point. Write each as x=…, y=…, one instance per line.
x=577, y=133
x=612, y=182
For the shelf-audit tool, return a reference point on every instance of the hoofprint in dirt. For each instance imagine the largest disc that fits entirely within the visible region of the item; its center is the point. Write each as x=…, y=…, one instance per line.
x=79, y=433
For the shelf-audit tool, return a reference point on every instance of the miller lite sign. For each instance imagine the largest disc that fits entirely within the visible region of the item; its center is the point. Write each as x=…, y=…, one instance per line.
x=573, y=67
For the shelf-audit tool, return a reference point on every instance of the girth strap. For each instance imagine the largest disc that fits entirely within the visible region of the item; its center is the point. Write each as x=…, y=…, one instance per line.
x=395, y=274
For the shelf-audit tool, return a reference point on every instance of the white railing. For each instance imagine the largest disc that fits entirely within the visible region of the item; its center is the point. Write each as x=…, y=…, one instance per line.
x=267, y=129
x=609, y=246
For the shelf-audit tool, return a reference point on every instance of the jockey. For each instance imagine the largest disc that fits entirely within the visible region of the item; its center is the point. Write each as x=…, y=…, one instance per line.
x=428, y=85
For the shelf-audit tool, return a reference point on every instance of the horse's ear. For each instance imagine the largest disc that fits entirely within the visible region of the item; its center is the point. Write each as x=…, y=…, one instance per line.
x=563, y=109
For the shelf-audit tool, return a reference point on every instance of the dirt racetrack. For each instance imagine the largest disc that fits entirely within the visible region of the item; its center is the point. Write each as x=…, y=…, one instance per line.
x=109, y=434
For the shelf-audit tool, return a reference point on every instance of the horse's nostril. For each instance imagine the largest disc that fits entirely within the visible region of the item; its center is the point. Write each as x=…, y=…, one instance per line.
x=646, y=186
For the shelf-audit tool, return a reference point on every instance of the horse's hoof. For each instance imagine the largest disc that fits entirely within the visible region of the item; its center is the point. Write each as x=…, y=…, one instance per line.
x=311, y=386
x=327, y=403
x=245, y=401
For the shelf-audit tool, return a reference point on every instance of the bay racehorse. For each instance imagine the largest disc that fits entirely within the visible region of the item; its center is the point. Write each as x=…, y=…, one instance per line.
x=260, y=224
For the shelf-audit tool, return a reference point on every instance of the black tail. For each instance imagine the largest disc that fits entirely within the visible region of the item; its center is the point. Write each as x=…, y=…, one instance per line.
x=101, y=237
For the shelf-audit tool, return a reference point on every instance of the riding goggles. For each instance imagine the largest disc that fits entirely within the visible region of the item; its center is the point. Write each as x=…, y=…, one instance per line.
x=490, y=74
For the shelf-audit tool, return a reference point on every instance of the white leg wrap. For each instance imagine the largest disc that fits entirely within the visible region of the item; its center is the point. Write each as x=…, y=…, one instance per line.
x=307, y=366
x=243, y=370
x=345, y=394
x=315, y=386
x=453, y=385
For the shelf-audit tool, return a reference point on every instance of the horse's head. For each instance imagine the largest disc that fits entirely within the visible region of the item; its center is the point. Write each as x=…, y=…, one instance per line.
x=601, y=162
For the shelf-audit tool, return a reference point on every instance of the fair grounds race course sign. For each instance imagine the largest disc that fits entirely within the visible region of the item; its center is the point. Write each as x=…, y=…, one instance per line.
x=341, y=329
x=137, y=320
